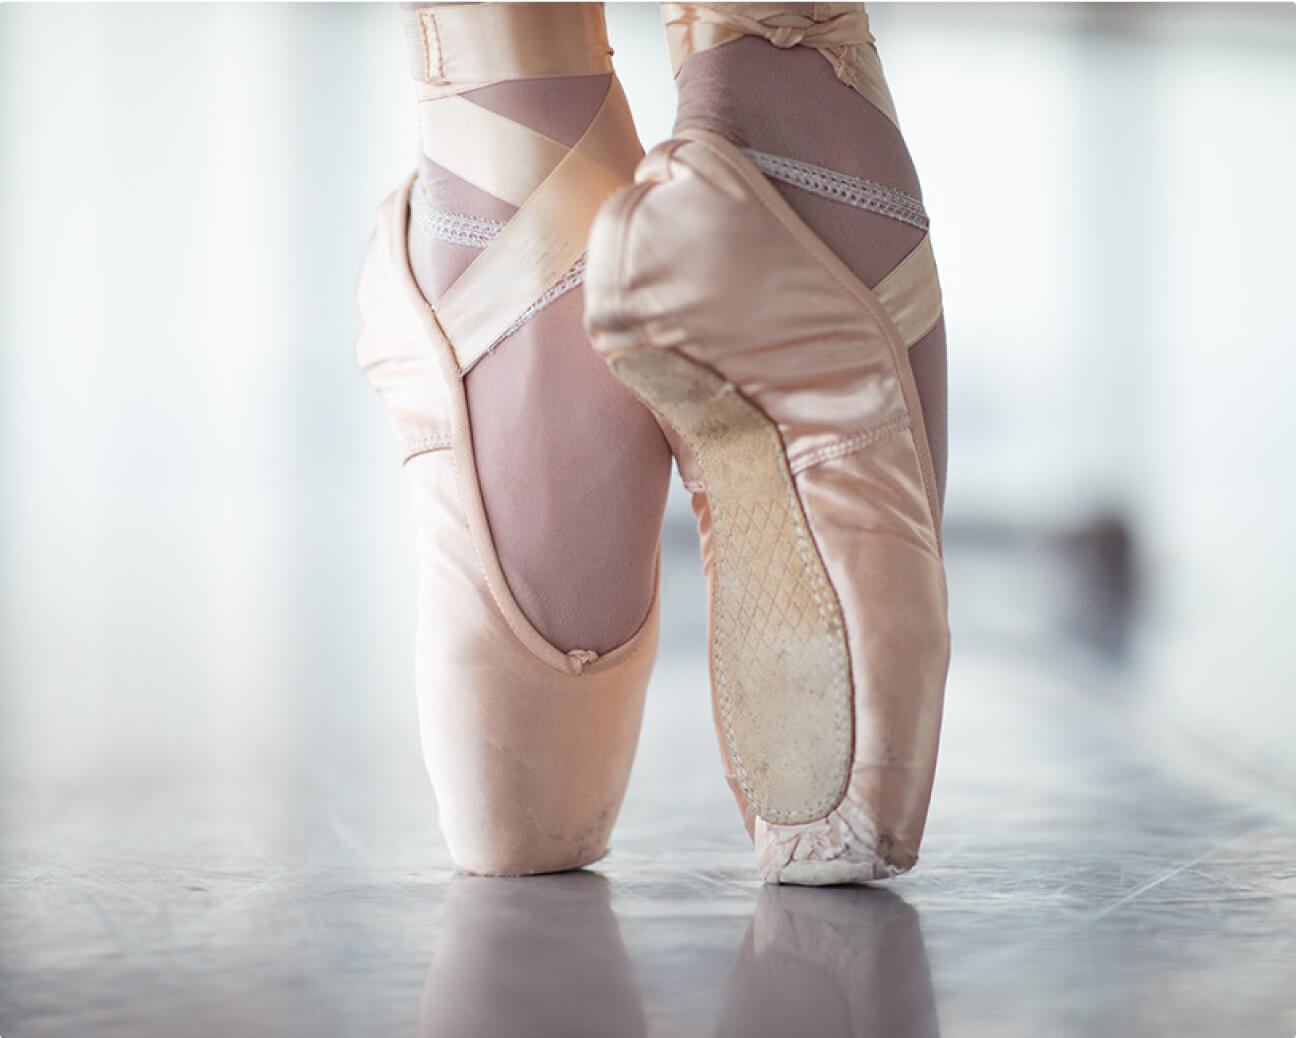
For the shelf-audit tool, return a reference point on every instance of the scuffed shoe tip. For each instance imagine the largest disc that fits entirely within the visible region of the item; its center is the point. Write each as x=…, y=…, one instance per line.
x=844, y=847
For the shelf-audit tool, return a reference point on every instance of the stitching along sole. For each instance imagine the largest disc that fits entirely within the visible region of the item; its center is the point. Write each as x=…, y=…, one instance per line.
x=779, y=658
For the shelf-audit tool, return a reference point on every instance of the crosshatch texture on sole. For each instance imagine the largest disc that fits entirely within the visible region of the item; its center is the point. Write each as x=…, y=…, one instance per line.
x=780, y=664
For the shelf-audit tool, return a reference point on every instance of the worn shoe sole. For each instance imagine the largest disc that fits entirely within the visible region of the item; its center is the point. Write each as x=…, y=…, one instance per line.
x=780, y=664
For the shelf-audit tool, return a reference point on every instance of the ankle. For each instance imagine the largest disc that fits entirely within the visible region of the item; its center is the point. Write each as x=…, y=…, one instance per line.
x=560, y=107
x=757, y=95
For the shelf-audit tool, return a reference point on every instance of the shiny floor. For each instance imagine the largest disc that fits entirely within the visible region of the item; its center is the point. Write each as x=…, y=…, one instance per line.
x=1084, y=874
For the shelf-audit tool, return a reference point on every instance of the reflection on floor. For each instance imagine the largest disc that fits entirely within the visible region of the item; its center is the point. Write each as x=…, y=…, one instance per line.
x=826, y=962
x=1082, y=875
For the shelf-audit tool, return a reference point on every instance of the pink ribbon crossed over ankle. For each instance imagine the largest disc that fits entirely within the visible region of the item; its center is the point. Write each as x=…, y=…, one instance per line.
x=710, y=26
x=787, y=29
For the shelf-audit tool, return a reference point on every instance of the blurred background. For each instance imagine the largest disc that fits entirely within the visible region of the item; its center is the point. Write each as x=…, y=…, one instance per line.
x=206, y=558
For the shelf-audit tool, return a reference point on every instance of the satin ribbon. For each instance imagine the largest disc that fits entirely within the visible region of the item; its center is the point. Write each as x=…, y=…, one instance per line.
x=911, y=295
x=543, y=239
x=780, y=24
x=460, y=47
x=840, y=32
x=454, y=48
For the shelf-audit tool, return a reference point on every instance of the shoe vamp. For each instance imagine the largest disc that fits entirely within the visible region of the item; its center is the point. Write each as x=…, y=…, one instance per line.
x=724, y=280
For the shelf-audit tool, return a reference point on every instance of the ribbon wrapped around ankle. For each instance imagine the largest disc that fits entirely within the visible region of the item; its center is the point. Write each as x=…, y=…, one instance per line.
x=557, y=189
x=782, y=25
x=840, y=32
x=454, y=48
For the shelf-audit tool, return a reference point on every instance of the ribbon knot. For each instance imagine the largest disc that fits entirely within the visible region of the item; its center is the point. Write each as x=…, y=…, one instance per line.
x=843, y=38
x=785, y=35
x=785, y=29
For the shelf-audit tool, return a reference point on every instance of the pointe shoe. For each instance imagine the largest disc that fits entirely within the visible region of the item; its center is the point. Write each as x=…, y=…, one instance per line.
x=785, y=388
x=528, y=747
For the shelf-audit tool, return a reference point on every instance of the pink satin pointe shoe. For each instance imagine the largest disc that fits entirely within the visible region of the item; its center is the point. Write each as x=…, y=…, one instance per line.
x=785, y=386
x=528, y=747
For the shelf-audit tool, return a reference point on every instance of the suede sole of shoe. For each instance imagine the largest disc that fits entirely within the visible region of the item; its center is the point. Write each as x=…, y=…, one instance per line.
x=780, y=664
